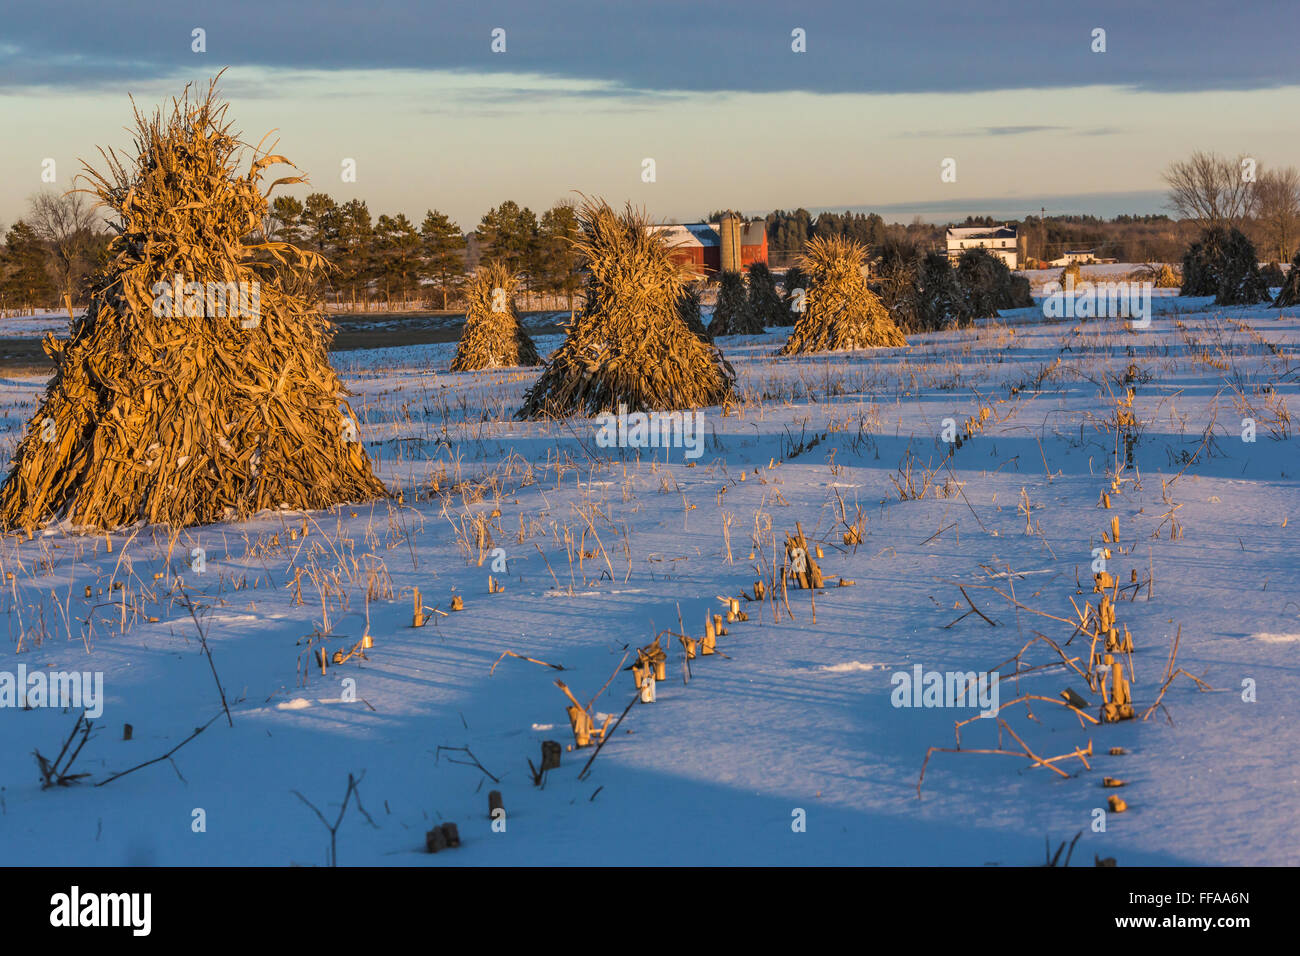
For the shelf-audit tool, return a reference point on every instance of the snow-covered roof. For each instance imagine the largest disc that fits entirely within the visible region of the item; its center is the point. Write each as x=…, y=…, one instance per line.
x=983, y=232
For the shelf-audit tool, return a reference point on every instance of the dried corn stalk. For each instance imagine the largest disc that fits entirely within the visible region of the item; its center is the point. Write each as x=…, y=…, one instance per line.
x=840, y=312
x=493, y=336
x=170, y=402
x=629, y=344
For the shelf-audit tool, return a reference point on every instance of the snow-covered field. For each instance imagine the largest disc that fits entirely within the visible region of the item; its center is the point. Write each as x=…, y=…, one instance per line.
x=35, y=324
x=1098, y=272
x=795, y=720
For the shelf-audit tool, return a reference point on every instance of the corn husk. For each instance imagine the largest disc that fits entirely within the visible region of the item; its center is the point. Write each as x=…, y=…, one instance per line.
x=493, y=336
x=840, y=311
x=629, y=345
x=189, y=418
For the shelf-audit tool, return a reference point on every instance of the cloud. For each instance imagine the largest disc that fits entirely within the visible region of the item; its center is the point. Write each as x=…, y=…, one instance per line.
x=941, y=46
x=502, y=100
x=980, y=131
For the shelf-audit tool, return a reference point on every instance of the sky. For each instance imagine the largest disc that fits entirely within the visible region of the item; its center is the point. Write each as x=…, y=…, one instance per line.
x=1018, y=96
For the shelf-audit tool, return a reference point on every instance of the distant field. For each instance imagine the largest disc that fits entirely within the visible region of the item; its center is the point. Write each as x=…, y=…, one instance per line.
x=21, y=353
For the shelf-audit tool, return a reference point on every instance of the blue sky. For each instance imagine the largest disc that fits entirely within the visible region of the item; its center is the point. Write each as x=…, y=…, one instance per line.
x=712, y=92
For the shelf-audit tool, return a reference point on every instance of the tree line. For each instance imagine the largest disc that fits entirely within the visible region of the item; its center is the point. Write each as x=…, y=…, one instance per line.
x=48, y=256
x=1205, y=190
x=390, y=259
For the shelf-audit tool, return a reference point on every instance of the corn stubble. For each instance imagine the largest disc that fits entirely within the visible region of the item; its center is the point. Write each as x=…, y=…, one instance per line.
x=840, y=311
x=493, y=337
x=629, y=345
x=189, y=419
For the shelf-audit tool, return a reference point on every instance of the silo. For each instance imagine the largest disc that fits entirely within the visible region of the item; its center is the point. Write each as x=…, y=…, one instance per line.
x=730, y=230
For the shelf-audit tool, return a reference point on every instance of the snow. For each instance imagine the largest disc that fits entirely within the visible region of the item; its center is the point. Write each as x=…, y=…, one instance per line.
x=35, y=324
x=1097, y=272
x=1277, y=638
x=798, y=715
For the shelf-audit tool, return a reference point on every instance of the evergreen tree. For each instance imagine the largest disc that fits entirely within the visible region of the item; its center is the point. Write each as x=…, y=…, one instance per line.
x=286, y=220
x=1289, y=294
x=397, y=256
x=897, y=280
x=510, y=234
x=788, y=231
x=1203, y=263
x=732, y=315
x=24, y=280
x=940, y=300
x=986, y=283
x=557, y=256
x=1223, y=263
x=1240, y=281
x=795, y=278
x=320, y=222
x=764, y=301
x=353, y=248
x=442, y=244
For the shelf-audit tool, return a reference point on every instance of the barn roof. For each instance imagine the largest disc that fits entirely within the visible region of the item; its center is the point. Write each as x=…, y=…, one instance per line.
x=679, y=235
x=707, y=234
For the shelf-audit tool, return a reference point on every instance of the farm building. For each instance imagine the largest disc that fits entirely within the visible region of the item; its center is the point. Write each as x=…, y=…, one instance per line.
x=1083, y=257
x=1005, y=242
x=699, y=245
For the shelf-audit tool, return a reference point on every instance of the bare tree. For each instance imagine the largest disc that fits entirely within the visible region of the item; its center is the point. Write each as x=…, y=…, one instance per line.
x=1277, y=211
x=66, y=224
x=1210, y=189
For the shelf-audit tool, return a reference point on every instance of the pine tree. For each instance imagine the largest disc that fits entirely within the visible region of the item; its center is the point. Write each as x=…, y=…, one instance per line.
x=320, y=222
x=764, y=301
x=510, y=234
x=24, y=280
x=286, y=219
x=1203, y=263
x=795, y=286
x=442, y=246
x=732, y=314
x=988, y=285
x=397, y=254
x=1240, y=281
x=897, y=280
x=354, y=249
x=940, y=299
x=558, y=259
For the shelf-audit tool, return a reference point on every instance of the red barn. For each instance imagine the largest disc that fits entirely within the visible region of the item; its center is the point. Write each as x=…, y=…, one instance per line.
x=698, y=245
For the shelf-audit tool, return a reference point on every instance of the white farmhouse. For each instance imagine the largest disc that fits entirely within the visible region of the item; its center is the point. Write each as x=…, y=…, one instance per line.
x=1080, y=257
x=1002, y=241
